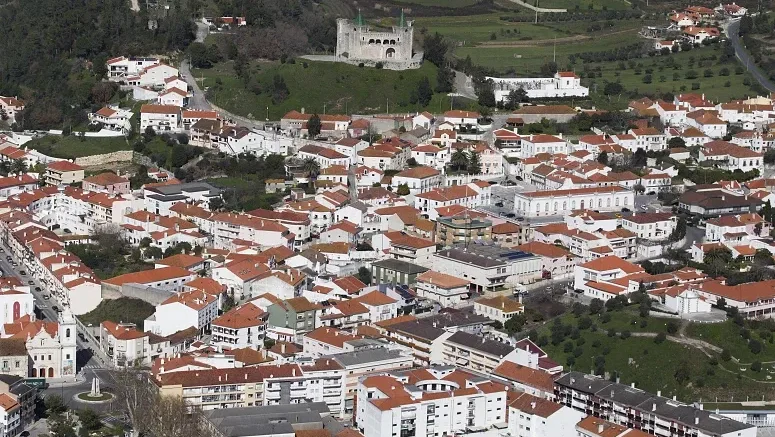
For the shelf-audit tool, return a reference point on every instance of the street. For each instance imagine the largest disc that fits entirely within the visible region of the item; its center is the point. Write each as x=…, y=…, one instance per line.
x=732, y=29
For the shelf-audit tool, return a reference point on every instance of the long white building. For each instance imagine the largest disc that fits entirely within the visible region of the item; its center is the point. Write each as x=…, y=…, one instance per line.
x=562, y=202
x=563, y=84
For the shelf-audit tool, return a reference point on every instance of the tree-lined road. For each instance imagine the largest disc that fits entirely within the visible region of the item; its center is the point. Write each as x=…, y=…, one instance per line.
x=733, y=33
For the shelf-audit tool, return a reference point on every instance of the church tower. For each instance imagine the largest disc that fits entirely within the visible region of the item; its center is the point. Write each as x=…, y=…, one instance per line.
x=67, y=342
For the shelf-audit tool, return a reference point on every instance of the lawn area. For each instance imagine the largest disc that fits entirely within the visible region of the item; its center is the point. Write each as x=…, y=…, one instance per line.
x=669, y=74
x=727, y=335
x=526, y=60
x=474, y=29
x=585, y=5
x=73, y=146
x=440, y=3
x=333, y=88
x=669, y=367
x=123, y=309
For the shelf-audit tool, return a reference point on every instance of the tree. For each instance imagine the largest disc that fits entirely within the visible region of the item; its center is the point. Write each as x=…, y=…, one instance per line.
x=18, y=166
x=280, y=90
x=89, y=419
x=55, y=405
x=424, y=92
x=756, y=366
x=268, y=343
x=228, y=302
x=726, y=355
x=613, y=89
x=364, y=274
x=672, y=327
x=153, y=253
x=680, y=230
x=515, y=323
x=313, y=126
x=683, y=373
x=497, y=325
x=486, y=94
x=660, y=338
x=639, y=189
x=639, y=158
x=403, y=190
x=676, y=142
x=603, y=158
x=596, y=306
x=459, y=159
x=435, y=49
x=755, y=346
x=474, y=163
x=179, y=156
x=311, y=167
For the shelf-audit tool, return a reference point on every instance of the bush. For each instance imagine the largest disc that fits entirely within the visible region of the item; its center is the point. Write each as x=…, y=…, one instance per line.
x=612, y=332
x=672, y=327
x=605, y=318
x=577, y=352
x=755, y=346
x=625, y=335
x=567, y=347
x=726, y=355
x=585, y=323
x=756, y=366
x=661, y=337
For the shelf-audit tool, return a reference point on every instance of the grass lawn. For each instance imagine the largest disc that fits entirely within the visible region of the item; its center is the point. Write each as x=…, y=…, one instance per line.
x=73, y=146
x=320, y=87
x=584, y=5
x=664, y=69
x=440, y=3
x=124, y=309
x=474, y=29
x=527, y=60
x=651, y=366
x=727, y=335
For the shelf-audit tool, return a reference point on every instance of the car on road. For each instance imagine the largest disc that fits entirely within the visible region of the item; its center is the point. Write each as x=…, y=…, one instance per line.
x=46, y=296
x=511, y=215
x=37, y=288
x=625, y=209
x=519, y=178
x=644, y=207
x=519, y=219
x=22, y=272
x=499, y=204
x=55, y=308
x=30, y=282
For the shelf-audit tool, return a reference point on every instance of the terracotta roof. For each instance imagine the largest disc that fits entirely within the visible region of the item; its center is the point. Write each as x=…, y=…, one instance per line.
x=210, y=377
x=546, y=109
x=106, y=178
x=195, y=299
x=375, y=298
x=525, y=375
x=611, y=263
x=63, y=166
x=350, y=284
x=181, y=260
x=534, y=405
x=159, y=109
x=332, y=336
x=544, y=249
x=502, y=303
x=244, y=316
x=442, y=280
x=300, y=304
x=601, y=428
x=149, y=276
x=122, y=332
x=420, y=172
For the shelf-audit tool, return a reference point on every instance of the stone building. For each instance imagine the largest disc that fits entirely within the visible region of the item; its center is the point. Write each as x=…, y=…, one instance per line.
x=357, y=43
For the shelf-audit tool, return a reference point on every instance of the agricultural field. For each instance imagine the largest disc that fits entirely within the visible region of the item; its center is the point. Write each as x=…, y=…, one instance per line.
x=319, y=87
x=439, y=3
x=623, y=344
x=584, y=5
x=697, y=70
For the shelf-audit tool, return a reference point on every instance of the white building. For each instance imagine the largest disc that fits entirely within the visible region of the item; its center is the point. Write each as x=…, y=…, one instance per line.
x=188, y=309
x=240, y=327
x=563, y=84
x=445, y=289
x=124, y=344
x=561, y=202
x=443, y=400
x=113, y=118
x=119, y=69
x=160, y=118
x=596, y=278
x=498, y=308
x=488, y=268
x=650, y=226
x=533, y=416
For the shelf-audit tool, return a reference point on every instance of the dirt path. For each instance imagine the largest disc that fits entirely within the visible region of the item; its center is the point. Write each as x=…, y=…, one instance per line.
x=546, y=42
x=703, y=346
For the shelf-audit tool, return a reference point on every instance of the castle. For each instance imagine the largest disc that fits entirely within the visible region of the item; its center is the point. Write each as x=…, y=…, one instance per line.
x=356, y=43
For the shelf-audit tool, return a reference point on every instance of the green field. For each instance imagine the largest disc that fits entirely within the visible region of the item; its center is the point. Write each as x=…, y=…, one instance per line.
x=439, y=3
x=123, y=309
x=74, y=146
x=669, y=74
x=474, y=29
x=333, y=88
x=528, y=59
x=585, y=5
x=727, y=335
x=669, y=367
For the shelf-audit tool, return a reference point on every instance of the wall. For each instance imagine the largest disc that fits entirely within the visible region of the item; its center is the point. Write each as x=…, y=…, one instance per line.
x=151, y=295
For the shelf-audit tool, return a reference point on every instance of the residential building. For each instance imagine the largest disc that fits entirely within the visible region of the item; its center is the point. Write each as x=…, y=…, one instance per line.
x=473, y=352
x=498, y=308
x=445, y=289
x=534, y=416
x=488, y=268
x=650, y=226
x=396, y=272
x=160, y=118
x=181, y=311
x=418, y=179
x=124, y=345
x=241, y=327
x=107, y=182
x=556, y=261
x=713, y=201
x=63, y=173
x=292, y=319
x=561, y=202
x=595, y=278
x=627, y=406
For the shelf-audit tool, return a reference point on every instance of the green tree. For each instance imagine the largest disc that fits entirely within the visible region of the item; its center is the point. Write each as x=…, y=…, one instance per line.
x=228, y=302
x=726, y=355
x=474, y=163
x=459, y=159
x=676, y=142
x=179, y=156
x=18, y=166
x=280, y=90
x=756, y=366
x=55, y=405
x=603, y=158
x=613, y=89
x=153, y=253
x=639, y=188
x=89, y=419
x=403, y=190
x=682, y=373
x=313, y=126
x=596, y=306
x=424, y=92
x=515, y=323
x=311, y=168
x=680, y=230
x=364, y=274
x=660, y=338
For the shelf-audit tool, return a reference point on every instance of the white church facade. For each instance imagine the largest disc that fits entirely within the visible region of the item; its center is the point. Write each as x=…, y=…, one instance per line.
x=357, y=43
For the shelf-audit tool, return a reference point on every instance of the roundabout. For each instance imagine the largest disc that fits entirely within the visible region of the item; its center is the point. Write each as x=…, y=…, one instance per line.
x=95, y=396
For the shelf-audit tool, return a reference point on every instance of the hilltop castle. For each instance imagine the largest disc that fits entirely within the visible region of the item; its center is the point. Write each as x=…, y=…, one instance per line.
x=356, y=43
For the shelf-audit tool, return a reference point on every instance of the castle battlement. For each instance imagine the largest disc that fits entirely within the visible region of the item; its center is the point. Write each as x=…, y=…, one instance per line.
x=356, y=43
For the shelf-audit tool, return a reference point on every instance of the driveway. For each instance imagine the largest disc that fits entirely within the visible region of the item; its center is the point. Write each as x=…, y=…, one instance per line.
x=732, y=29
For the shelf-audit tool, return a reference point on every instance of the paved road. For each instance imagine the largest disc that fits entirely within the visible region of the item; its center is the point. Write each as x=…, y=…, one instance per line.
x=198, y=101
x=463, y=86
x=732, y=29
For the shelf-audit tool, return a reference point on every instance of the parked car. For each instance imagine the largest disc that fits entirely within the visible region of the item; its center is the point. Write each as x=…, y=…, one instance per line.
x=30, y=282
x=37, y=288
x=625, y=209
x=55, y=308
x=23, y=273
x=81, y=336
x=511, y=215
x=46, y=296
x=499, y=204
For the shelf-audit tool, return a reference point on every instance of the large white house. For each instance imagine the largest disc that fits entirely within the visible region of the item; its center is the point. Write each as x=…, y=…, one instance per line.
x=561, y=202
x=563, y=84
x=160, y=118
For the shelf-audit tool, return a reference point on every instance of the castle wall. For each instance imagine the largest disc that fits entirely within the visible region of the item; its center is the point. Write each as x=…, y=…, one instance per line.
x=356, y=43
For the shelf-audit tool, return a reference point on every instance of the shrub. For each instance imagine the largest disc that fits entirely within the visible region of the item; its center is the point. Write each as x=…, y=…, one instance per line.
x=755, y=346
x=625, y=335
x=726, y=355
x=672, y=327
x=605, y=318
x=661, y=337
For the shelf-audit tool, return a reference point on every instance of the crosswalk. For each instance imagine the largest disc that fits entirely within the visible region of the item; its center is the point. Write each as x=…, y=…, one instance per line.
x=92, y=366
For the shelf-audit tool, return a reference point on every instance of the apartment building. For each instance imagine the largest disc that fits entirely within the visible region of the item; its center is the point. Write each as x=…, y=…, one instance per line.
x=181, y=311
x=240, y=327
x=560, y=202
x=63, y=173
x=473, y=352
x=124, y=344
x=650, y=226
x=631, y=407
x=488, y=268
x=427, y=401
x=533, y=416
x=445, y=289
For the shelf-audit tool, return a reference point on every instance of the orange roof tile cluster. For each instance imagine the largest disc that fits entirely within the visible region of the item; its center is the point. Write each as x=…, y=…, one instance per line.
x=244, y=316
x=122, y=332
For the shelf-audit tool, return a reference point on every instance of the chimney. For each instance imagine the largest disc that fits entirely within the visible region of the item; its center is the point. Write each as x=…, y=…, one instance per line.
x=632, y=385
x=600, y=428
x=293, y=372
x=696, y=420
x=282, y=348
x=659, y=393
x=532, y=405
x=674, y=398
x=654, y=407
